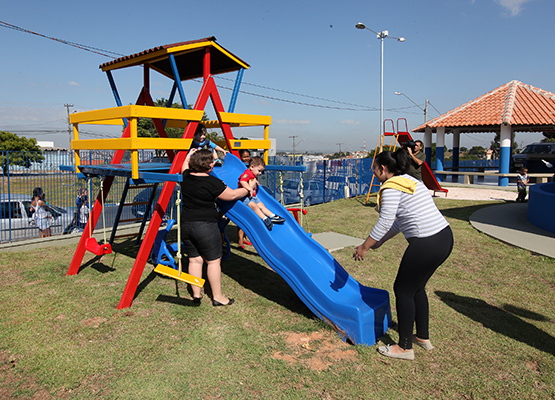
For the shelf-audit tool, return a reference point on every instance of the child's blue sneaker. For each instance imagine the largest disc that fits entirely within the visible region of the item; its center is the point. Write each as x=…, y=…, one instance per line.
x=268, y=222
x=276, y=219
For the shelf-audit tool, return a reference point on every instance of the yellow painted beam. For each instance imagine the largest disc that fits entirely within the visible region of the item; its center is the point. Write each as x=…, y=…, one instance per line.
x=246, y=119
x=248, y=144
x=106, y=122
x=139, y=143
x=134, y=111
x=134, y=153
x=76, y=138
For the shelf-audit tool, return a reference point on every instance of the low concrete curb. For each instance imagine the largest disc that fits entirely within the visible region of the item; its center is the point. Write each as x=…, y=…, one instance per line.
x=62, y=240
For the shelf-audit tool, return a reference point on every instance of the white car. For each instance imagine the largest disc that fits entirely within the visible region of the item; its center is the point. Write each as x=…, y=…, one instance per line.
x=16, y=217
x=313, y=192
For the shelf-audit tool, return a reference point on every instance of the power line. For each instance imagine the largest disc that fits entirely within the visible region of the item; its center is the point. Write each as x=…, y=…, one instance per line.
x=111, y=54
x=67, y=42
x=294, y=93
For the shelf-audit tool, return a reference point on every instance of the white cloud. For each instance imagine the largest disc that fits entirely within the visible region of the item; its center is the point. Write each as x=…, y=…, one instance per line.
x=513, y=7
x=350, y=122
x=73, y=83
x=292, y=121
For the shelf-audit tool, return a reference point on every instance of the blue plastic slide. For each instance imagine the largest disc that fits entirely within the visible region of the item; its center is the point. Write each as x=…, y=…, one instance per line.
x=358, y=313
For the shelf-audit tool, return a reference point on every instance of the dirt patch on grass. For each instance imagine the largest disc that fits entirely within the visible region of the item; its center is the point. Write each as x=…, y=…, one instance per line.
x=93, y=322
x=10, y=276
x=12, y=383
x=316, y=350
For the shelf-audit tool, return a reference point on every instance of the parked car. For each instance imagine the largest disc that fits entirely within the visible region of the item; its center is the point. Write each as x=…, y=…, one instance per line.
x=339, y=182
x=531, y=157
x=313, y=192
x=16, y=215
x=276, y=194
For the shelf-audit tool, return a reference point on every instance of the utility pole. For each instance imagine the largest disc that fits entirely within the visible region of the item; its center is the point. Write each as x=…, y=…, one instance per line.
x=293, y=137
x=294, y=155
x=68, y=124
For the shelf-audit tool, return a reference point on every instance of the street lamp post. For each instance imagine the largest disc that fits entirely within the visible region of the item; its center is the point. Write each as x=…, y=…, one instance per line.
x=380, y=35
x=425, y=109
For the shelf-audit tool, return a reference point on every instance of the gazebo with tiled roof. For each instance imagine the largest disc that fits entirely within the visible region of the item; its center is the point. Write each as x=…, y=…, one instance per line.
x=513, y=107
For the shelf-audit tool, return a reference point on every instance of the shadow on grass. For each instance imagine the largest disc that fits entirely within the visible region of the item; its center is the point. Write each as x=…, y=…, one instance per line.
x=96, y=264
x=506, y=321
x=462, y=213
x=264, y=282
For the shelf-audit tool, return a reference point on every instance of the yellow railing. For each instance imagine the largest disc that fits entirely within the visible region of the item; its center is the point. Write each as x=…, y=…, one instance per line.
x=175, y=118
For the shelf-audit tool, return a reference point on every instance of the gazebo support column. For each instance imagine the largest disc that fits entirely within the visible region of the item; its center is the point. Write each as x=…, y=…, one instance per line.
x=440, y=144
x=428, y=145
x=505, y=153
x=456, y=149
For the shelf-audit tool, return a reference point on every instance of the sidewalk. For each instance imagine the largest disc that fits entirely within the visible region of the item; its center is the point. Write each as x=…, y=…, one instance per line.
x=509, y=223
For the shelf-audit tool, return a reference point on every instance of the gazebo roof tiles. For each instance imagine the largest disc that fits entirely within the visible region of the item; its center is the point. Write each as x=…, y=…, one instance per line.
x=514, y=103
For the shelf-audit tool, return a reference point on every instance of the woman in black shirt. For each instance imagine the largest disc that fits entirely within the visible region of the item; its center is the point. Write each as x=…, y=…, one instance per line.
x=199, y=220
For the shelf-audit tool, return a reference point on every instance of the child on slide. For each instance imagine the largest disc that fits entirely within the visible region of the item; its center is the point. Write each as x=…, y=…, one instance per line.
x=249, y=181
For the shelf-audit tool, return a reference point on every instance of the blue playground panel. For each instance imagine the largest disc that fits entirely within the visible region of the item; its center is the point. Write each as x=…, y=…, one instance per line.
x=359, y=314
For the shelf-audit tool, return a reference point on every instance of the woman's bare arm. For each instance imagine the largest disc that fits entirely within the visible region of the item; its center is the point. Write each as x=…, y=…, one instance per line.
x=233, y=194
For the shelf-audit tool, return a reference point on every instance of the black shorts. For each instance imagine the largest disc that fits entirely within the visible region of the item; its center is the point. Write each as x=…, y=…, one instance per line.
x=202, y=238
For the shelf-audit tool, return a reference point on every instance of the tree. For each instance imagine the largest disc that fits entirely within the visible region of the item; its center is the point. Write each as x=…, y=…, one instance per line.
x=549, y=137
x=339, y=154
x=476, y=153
x=146, y=128
x=15, y=150
x=495, y=145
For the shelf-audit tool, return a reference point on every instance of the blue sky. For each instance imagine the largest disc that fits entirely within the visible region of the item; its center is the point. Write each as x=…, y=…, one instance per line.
x=455, y=51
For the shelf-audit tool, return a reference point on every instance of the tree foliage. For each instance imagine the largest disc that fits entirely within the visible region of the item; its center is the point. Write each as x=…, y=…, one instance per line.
x=340, y=154
x=146, y=128
x=549, y=137
x=15, y=150
x=496, y=145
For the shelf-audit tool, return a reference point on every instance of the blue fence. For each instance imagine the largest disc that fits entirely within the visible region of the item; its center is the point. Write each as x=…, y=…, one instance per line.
x=323, y=181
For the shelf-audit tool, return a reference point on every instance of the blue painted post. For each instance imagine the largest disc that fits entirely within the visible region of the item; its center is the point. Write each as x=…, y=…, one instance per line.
x=9, y=197
x=428, y=145
x=115, y=92
x=178, y=81
x=440, y=151
x=505, y=141
x=235, y=92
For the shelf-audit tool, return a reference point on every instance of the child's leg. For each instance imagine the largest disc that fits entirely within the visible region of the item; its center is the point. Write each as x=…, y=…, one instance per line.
x=255, y=207
x=241, y=235
x=264, y=209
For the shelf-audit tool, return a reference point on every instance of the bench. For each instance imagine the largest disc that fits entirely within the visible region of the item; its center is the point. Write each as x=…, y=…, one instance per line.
x=457, y=169
x=469, y=175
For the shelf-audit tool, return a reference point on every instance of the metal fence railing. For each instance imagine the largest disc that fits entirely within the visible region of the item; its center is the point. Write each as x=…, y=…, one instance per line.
x=323, y=181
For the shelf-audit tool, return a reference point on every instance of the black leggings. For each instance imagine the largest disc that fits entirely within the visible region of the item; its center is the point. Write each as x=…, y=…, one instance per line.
x=421, y=259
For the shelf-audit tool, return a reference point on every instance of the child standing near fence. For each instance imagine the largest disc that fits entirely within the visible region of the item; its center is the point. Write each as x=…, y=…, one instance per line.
x=522, y=181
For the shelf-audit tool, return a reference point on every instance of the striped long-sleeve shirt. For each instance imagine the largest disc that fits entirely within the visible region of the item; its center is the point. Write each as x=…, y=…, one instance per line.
x=415, y=215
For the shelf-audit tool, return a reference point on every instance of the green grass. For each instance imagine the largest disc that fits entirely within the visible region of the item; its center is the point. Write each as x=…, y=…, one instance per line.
x=492, y=322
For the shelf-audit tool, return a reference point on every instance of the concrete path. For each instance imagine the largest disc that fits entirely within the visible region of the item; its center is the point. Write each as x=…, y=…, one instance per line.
x=509, y=223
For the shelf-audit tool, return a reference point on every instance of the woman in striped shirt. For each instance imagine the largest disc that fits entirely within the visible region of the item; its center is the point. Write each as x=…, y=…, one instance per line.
x=406, y=206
